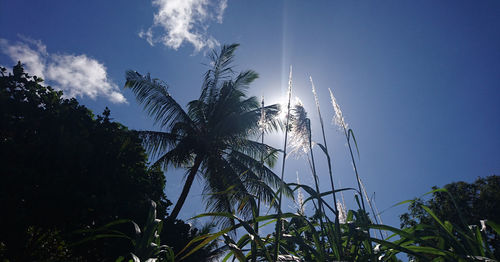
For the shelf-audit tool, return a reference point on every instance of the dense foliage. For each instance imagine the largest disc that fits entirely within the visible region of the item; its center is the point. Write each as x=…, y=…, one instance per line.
x=63, y=170
x=472, y=202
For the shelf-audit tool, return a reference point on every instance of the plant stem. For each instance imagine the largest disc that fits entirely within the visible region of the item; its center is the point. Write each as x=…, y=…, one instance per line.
x=337, y=224
x=278, y=223
x=257, y=212
x=316, y=182
x=355, y=168
x=371, y=208
x=357, y=175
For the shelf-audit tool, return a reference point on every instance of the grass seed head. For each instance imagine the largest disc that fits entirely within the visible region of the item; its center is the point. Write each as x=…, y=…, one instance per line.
x=342, y=212
x=300, y=128
x=338, y=119
x=301, y=206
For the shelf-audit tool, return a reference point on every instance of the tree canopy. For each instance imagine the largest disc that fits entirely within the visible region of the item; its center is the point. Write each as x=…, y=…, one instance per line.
x=474, y=202
x=65, y=169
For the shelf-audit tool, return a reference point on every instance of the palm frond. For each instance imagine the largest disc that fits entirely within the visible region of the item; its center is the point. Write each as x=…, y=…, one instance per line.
x=223, y=189
x=197, y=111
x=246, y=123
x=266, y=174
x=257, y=187
x=220, y=71
x=155, y=98
x=244, y=79
x=256, y=150
x=156, y=142
x=179, y=156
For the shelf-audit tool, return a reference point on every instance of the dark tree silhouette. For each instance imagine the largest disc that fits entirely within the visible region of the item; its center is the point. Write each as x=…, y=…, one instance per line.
x=212, y=136
x=475, y=201
x=63, y=169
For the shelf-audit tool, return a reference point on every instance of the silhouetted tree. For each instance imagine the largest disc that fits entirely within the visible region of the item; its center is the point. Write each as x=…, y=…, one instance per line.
x=212, y=137
x=63, y=169
x=475, y=201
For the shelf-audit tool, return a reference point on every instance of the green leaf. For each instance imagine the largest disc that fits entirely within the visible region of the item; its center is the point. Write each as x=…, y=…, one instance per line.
x=429, y=211
x=328, y=193
x=351, y=133
x=207, y=239
x=390, y=245
x=323, y=148
x=428, y=250
x=495, y=226
x=480, y=242
x=436, y=190
x=400, y=232
x=235, y=249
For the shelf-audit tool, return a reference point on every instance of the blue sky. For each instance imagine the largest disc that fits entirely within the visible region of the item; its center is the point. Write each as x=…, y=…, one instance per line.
x=418, y=81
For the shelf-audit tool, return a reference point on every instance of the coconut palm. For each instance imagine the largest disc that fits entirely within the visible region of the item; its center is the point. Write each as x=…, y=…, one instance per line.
x=212, y=138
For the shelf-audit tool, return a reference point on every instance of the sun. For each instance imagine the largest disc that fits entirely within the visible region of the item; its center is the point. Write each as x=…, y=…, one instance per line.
x=283, y=102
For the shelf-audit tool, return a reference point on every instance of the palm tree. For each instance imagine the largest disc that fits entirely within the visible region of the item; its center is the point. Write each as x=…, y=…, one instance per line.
x=211, y=138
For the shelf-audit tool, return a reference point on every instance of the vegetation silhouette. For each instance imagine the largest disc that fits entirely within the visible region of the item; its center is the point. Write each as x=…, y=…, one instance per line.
x=64, y=169
x=212, y=137
x=76, y=187
x=463, y=204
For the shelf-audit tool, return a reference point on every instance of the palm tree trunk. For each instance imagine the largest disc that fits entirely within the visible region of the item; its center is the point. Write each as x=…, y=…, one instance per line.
x=185, y=189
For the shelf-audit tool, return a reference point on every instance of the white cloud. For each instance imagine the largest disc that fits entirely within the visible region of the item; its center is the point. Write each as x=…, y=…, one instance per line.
x=82, y=76
x=34, y=60
x=185, y=21
x=76, y=75
x=148, y=35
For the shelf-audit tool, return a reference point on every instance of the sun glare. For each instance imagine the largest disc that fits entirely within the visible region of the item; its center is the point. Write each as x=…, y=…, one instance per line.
x=283, y=102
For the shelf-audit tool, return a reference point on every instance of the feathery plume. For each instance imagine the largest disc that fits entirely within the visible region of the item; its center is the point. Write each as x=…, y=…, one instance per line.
x=299, y=127
x=315, y=97
x=300, y=199
x=341, y=193
x=342, y=213
x=338, y=118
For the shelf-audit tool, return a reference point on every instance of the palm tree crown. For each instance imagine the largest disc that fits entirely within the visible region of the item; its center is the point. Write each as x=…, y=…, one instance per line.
x=212, y=138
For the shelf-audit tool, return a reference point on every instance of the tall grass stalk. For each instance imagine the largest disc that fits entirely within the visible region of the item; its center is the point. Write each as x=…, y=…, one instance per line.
x=278, y=222
x=256, y=213
x=339, y=121
x=316, y=181
x=302, y=135
x=329, y=161
x=371, y=207
x=378, y=215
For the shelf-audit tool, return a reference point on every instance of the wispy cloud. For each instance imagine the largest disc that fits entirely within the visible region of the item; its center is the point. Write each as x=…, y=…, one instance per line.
x=182, y=21
x=76, y=75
